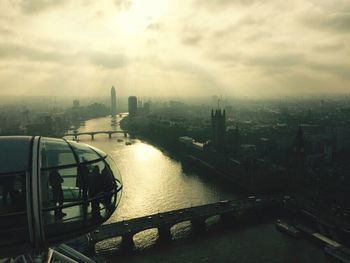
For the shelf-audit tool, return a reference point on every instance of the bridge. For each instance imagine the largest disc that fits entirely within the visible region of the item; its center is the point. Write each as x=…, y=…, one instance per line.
x=197, y=215
x=75, y=134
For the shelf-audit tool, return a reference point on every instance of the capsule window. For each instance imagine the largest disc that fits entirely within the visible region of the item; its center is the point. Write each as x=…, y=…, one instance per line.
x=75, y=197
x=101, y=191
x=55, y=152
x=13, y=213
x=84, y=152
x=115, y=171
x=62, y=199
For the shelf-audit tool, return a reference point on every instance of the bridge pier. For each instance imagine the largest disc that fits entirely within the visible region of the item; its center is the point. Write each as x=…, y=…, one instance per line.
x=199, y=225
x=110, y=135
x=164, y=233
x=228, y=218
x=92, y=136
x=128, y=241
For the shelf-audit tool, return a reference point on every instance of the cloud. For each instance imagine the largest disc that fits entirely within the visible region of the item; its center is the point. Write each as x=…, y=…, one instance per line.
x=257, y=35
x=337, y=23
x=155, y=26
x=17, y=51
x=5, y=31
x=279, y=60
x=341, y=70
x=13, y=51
x=228, y=59
x=123, y=5
x=36, y=6
x=222, y=4
x=108, y=60
x=332, y=6
x=192, y=40
x=191, y=36
x=242, y=24
x=329, y=47
x=201, y=43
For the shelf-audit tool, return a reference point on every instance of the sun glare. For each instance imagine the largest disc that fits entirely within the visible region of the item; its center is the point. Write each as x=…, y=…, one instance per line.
x=145, y=152
x=135, y=20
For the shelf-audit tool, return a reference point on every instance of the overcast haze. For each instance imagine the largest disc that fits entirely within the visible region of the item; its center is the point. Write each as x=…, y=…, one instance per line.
x=180, y=47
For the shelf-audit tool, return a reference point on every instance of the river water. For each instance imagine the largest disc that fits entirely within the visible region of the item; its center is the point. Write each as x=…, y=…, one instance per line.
x=154, y=182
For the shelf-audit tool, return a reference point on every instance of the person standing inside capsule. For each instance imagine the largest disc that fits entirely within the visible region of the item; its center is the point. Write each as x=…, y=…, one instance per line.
x=94, y=191
x=56, y=181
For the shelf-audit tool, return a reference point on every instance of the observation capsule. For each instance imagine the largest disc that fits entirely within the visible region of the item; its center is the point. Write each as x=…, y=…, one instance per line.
x=51, y=191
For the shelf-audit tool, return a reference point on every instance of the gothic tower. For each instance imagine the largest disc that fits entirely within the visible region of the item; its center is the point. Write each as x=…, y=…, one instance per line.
x=218, y=125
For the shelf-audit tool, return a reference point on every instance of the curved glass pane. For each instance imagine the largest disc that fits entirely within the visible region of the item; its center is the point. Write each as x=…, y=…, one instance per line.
x=101, y=189
x=84, y=152
x=77, y=197
x=117, y=176
x=114, y=169
x=99, y=152
x=55, y=152
x=62, y=200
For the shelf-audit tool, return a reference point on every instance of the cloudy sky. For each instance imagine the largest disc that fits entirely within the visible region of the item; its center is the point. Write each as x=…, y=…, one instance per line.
x=174, y=47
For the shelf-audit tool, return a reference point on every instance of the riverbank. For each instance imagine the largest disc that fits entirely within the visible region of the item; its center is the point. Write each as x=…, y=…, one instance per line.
x=244, y=178
x=155, y=182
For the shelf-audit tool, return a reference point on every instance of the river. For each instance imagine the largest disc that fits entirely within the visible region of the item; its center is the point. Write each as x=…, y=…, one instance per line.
x=154, y=182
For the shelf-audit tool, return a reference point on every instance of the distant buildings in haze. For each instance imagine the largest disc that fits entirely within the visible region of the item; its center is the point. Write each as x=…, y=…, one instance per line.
x=132, y=105
x=137, y=108
x=76, y=104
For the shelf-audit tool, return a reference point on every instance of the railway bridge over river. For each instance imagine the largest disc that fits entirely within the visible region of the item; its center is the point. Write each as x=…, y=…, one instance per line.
x=75, y=134
x=196, y=215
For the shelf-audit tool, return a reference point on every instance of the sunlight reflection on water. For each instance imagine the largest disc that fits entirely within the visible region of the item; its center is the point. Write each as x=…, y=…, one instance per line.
x=153, y=182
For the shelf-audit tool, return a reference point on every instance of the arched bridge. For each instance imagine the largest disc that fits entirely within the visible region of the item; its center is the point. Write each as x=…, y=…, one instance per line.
x=93, y=133
x=196, y=215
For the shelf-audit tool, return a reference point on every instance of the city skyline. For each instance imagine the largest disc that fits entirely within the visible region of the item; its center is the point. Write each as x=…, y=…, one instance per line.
x=177, y=48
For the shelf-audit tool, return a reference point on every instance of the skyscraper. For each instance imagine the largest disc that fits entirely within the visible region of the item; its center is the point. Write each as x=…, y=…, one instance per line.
x=132, y=103
x=113, y=102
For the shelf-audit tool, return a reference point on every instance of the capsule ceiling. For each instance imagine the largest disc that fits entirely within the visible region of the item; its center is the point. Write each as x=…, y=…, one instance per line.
x=15, y=153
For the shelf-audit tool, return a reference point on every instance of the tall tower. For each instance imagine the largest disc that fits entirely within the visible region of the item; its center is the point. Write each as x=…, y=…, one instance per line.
x=218, y=125
x=113, y=102
x=132, y=103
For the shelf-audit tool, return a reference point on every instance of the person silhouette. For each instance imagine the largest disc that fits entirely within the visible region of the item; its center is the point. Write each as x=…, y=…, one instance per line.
x=56, y=181
x=94, y=190
x=107, y=187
